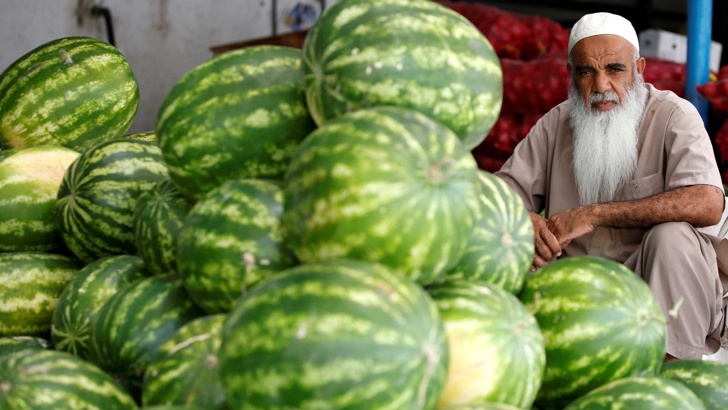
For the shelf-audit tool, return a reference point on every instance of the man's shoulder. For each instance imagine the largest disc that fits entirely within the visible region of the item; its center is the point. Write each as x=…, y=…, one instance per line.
x=666, y=101
x=558, y=113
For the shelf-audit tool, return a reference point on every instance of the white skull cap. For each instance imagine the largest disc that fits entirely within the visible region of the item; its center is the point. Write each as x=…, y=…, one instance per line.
x=603, y=23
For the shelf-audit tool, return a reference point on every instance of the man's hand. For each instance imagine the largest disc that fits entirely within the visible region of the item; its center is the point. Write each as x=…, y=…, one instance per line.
x=571, y=224
x=546, y=245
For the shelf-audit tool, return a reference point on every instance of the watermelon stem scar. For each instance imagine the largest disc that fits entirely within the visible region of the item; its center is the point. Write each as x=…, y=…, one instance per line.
x=65, y=57
x=442, y=170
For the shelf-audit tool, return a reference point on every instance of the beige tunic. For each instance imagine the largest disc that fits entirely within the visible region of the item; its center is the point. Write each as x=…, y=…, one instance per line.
x=674, y=151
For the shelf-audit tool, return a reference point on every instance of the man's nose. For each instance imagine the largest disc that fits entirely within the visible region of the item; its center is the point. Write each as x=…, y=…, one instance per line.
x=601, y=83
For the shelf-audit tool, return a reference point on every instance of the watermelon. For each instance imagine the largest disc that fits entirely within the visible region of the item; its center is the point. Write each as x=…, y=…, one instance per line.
x=39, y=379
x=231, y=240
x=29, y=181
x=708, y=380
x=385, y=185
x=15, y=343
x=415, y=54
x=95, y=203
x=600, y=322
x=496, y=348
x=482, y=406
x=158, y=217
x=501, y=245
x=84, y=295
x=127, y=330
x=31, y=284
x=238, y=115
x=72, y=91
x=639, y=393
x=344, y=334
x=184, y=370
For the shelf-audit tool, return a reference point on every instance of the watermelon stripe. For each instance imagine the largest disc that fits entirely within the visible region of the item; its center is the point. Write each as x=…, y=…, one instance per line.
x=704, y=378
x=31, y=284
x=639, y=393
x=45, y=379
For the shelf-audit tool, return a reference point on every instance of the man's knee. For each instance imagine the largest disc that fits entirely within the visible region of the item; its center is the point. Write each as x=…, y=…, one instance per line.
x=671, y=237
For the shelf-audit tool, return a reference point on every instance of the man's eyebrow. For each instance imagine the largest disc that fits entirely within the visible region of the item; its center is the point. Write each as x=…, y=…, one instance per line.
x=616, y=66
x=584, y=67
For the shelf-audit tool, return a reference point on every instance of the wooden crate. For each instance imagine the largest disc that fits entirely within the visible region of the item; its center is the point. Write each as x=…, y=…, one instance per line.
x=292, y=39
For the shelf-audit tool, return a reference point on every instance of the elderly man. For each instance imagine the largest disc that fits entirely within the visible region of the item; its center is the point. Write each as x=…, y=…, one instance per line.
x=627, y=172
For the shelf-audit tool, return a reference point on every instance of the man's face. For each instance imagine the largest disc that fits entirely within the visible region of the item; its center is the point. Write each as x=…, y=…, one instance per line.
x=602, y=69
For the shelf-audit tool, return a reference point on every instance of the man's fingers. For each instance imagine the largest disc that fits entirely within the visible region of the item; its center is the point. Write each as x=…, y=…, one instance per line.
x=548, y=247
x=538, y=262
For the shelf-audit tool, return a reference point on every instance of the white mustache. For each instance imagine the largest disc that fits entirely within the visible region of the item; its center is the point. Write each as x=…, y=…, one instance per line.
x=609, y=95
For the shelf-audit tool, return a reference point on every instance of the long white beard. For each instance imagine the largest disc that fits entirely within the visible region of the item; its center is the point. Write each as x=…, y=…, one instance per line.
x=605, y=142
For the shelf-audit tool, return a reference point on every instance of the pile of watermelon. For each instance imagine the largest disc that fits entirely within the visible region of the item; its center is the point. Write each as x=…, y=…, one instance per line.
x=303, y=229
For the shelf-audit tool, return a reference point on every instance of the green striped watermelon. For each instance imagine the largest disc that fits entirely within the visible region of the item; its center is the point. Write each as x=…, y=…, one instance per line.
x=30, y=285
x=345, y=335
x=95, y=205
x=84, y=295
x=496, y=347
x=150, y=136
x=158, y=217
x=639, y=393
x=501, y=244
x=39, y=379
x=238, y=115
x=231, y=240
x=482, y=406
x=408, y=53
x=600, y=321
x=708, y=380
x=29, y=182
x=384, y=184
x=127, y=330
x=15, y=343
x=72, y=91
x=185, y=369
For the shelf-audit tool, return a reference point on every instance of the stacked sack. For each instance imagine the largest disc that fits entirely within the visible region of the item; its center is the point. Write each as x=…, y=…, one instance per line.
x=716, y=92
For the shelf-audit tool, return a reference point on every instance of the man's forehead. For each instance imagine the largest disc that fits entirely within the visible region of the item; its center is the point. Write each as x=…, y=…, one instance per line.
x=603, y=46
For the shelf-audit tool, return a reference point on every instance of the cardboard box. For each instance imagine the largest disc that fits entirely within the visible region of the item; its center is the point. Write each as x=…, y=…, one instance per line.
x=670, y=46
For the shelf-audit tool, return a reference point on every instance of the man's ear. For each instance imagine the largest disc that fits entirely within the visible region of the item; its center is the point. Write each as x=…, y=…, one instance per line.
x=641, y=63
